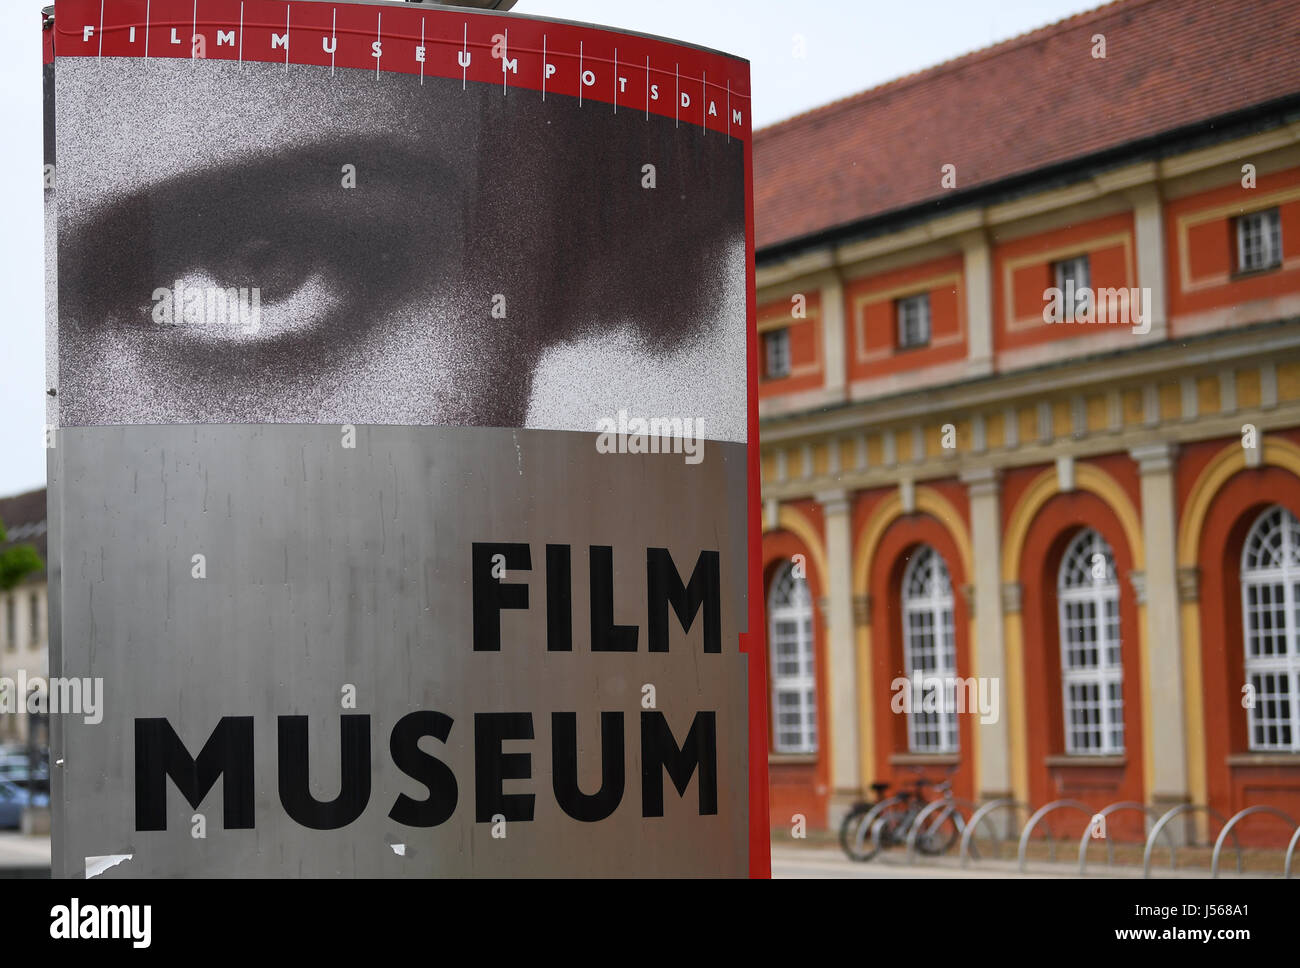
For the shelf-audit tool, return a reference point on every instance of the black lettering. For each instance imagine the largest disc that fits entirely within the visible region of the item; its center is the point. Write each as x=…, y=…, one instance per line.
x=354, y=784
x=491, y=595
x=664, y=587
x=659, y=752
x=228, y=754
x=559, y=599
x=564, y=767
x=605, y=635
x=492, y=767
x=404, y=746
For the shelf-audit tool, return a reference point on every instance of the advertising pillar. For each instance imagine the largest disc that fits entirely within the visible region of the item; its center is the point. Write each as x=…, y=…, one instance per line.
x=403, y=488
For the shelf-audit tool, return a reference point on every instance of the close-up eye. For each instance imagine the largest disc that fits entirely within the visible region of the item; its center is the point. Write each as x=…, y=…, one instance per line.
x=261, y=254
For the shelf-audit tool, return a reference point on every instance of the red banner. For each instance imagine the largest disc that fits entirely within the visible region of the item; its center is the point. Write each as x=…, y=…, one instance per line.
x=626, y=72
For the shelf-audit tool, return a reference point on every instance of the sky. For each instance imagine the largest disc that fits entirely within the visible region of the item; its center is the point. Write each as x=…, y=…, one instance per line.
x=802, y=54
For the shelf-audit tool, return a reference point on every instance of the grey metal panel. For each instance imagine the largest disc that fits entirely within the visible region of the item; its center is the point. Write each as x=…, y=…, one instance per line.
x=328, y=566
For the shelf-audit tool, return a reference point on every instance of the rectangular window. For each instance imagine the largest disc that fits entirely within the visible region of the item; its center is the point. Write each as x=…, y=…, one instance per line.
x=11, y=623
x=776, y=349
x=790, y=637
x=34, y=615
x=1259, y=241
x=1090, y=668
x=792, y=678
x=1074, y=279
x=913, y=321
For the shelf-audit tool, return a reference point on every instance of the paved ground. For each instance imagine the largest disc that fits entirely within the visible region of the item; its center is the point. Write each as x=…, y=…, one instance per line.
x=31, y=855
x=825, y=860
x=789, y=861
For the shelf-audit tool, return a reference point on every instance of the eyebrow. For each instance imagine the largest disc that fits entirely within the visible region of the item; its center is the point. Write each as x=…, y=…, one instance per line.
x=128, y=235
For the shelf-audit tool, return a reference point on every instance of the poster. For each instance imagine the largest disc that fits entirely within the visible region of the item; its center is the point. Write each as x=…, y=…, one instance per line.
x=400, y=488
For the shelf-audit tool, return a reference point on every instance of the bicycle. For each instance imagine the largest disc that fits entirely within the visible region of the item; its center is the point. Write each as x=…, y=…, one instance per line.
x=848, y=826
x=888, y=822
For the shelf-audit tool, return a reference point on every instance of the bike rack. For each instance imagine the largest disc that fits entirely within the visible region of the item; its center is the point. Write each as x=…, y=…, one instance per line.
x=979, y=816
x=1033, y=822
x=915, y=826
x=1290, y=849
x=1241, y=815
x=1110, y=847
x=1164, y=820
x=868, y=820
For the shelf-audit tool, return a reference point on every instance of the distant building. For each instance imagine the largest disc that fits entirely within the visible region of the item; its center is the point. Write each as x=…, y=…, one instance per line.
x=24, y=610
x=1099, y=517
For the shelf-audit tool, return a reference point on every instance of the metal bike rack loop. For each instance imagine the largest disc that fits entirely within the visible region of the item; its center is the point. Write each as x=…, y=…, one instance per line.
x=1242, y=815
x=1033, y=822
x=1110, y=847
x=982, y=814
x=929, y=808
x=871, y=816
x=1164, y=821
x=1290, y=850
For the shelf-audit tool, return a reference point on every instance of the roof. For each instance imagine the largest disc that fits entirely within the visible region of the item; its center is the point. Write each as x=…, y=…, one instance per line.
x=1037, y=100
x=23, y=516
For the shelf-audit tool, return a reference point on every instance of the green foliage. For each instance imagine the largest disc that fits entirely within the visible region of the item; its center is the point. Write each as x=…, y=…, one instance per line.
x=17, y=563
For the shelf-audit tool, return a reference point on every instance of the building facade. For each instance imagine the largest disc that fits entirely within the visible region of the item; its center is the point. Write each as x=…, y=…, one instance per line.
x=1030, y=422
x=24, y=610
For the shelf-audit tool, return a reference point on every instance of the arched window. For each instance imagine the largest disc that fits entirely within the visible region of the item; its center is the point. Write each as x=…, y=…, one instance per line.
x=794, y=690
x=929, y=654
x=1270, y=598
x=1092, y=677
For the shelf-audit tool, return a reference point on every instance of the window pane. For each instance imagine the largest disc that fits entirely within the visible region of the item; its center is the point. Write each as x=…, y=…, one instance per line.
x=1270, y=597
x=790, y=639
x=1091, y=658
x=777, y=346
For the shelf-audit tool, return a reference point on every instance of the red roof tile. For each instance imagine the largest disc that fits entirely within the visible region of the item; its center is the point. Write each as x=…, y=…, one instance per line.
x=1032, y=101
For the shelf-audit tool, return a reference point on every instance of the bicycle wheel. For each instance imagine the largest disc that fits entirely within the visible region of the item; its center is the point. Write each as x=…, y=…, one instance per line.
x=875, y=829
x=849, y=830
x=939, y=833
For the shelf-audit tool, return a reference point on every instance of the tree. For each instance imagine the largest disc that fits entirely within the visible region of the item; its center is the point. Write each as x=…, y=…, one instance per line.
x=17, y=562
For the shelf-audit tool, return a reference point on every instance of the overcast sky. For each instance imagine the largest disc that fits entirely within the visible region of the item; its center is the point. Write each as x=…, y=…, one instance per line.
x=848, y=46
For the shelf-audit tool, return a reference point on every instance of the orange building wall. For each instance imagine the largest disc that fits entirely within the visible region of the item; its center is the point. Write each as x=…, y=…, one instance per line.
x=1201, y=245
x=1022, y=270
x=897, y=544
x=800, y=788
x=807, y=356
x=871, y=320
x=1232, y=787
x=1055, y=525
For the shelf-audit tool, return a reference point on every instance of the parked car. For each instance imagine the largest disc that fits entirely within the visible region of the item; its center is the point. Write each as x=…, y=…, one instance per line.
x=17, y=765
x=13, y=799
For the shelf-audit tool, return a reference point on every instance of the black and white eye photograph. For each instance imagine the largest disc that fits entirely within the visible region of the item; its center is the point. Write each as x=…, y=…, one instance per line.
x=243, y=245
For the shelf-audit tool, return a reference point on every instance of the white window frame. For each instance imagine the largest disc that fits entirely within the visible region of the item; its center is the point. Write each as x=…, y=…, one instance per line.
x=776, y=347
x=1265, y=228
x=913, y=314
x=1281, y=665
x=790, y=602
x=1079, y=269
x=928, y=602
x=1078, y=588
